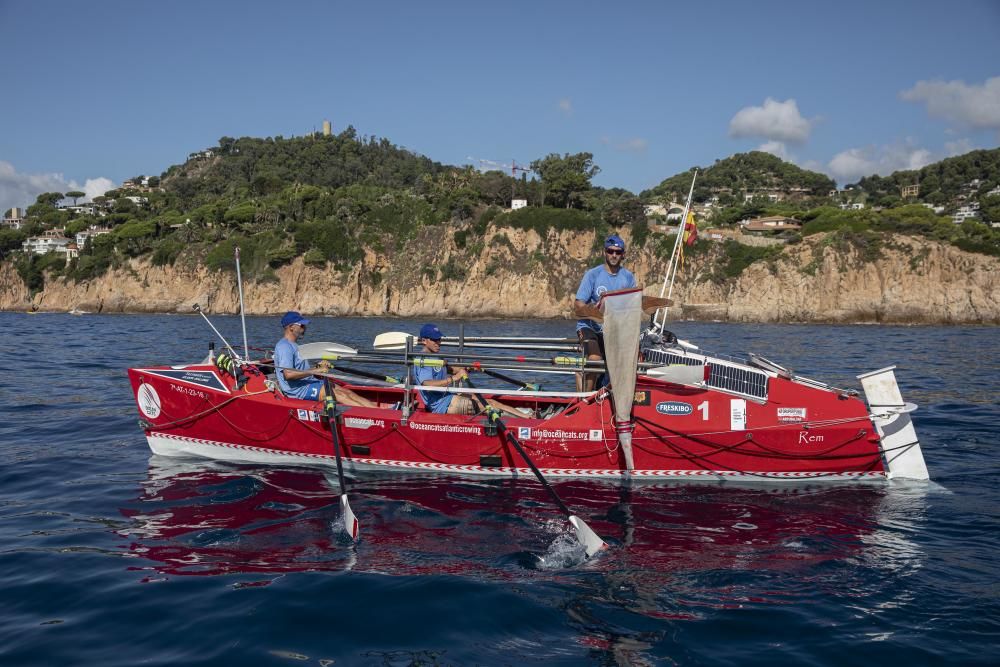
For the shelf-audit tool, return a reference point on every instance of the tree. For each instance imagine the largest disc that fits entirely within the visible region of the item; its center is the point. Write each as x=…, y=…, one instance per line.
x=567, y=178
x=134, y=236
x=49, y=198
x=75, y=194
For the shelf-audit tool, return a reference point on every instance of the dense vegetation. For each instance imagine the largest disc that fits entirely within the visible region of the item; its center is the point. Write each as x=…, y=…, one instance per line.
x=942, y=183
x=729, y=179
x=327, y=198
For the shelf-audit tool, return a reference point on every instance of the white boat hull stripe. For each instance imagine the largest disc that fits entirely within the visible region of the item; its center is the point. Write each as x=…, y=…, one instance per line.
x=168, y=444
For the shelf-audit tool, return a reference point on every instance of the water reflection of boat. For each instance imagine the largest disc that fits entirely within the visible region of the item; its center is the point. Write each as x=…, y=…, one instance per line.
x=207, y=518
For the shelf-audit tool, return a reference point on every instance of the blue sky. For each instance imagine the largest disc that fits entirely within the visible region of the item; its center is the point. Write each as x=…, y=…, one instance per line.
x=96, y=92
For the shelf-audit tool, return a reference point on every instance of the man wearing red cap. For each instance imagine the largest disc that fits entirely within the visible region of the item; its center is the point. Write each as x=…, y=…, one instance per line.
x=607, y=277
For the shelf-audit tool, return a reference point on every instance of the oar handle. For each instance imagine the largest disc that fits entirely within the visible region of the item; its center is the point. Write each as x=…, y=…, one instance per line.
x=507, y=378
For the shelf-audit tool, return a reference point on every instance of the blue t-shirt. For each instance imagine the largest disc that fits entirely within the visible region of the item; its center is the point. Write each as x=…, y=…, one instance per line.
x=286, y=355
x=437, y=401
x=595, y=283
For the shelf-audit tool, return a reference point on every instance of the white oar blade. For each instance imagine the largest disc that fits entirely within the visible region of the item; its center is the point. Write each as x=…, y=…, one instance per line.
x=351, y=525
x=392, y=340
x=322, y=350
x=588, y=538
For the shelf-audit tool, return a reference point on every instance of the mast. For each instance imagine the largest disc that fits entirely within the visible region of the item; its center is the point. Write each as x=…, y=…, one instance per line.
x=671, y=273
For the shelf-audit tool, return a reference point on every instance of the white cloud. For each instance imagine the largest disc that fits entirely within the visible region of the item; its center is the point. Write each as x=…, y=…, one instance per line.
x=566, y=106
x=973, y=105
x=634, y=145
x=21, y=190
x=776, y=121
x=95, y=187
x=850, y=165
x=776, y=148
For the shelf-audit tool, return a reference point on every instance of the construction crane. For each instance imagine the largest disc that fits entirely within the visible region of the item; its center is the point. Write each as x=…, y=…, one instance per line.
x=493, y=165
x=514, y=168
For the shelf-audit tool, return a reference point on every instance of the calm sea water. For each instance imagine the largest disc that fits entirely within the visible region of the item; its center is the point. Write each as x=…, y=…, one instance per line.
x=112, y=556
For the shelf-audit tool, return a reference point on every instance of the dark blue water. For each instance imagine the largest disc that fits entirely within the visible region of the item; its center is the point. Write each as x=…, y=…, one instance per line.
x=110, y=556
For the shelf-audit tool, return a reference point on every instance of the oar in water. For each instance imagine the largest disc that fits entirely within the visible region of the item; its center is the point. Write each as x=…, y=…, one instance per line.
x=591, y=541
x=351, y=525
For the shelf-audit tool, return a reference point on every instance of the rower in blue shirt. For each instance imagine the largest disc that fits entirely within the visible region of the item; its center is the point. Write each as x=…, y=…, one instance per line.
x=293, y=373
x=607, y=277
x=441, y=402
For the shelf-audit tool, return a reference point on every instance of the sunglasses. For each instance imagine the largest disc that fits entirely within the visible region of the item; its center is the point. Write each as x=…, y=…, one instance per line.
x=612, y=251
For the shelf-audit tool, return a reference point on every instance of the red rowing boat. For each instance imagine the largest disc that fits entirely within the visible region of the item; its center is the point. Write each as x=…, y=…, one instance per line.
x=692, y=416
x=668, y=412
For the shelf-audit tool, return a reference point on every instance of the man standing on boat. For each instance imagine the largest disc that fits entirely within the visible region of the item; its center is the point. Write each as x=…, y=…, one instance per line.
x=607, y=277
x=441, y=402
x=295, y=377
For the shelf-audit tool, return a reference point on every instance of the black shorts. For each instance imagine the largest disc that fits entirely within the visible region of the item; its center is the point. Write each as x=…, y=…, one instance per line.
x=592, y=342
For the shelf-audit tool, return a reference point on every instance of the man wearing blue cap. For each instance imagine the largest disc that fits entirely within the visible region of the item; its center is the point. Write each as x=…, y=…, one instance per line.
x=295, y=377
x=441, y=402
x=608, y=277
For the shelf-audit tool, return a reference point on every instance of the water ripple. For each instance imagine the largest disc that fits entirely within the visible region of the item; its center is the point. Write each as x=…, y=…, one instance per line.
x=211, y=563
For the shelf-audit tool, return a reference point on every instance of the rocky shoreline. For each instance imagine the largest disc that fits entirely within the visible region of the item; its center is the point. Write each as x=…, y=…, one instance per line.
x=916, y=281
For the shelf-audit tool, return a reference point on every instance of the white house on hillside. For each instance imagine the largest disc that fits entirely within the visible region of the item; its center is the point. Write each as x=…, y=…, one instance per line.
x=48, y=241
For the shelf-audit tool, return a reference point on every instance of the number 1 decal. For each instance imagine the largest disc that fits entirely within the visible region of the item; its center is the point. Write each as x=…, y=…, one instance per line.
x=703, y=406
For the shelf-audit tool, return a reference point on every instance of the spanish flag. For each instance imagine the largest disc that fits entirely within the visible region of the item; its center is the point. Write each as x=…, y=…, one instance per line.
x=690, y=230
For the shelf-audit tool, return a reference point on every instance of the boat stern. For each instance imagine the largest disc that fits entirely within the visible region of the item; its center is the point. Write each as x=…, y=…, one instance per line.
x=891, y=416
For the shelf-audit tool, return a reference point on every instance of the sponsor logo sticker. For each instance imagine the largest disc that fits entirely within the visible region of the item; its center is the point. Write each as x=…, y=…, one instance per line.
x=205, y=379
x=559, y=434
x=524, y=432
x=446, y=428
x=738, y=414
x=148, y=400
x=641, y=398
x=308, y=416
x=791, y=414
x=596, y=434
x=675, y=408
x=363, y=423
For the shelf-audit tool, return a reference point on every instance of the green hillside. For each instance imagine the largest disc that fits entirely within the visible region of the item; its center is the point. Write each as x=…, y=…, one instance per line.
x=743, y=173
x=968, y=176
x=328, y=198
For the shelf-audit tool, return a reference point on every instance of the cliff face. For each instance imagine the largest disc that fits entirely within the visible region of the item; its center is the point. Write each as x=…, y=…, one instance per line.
x=515, y=273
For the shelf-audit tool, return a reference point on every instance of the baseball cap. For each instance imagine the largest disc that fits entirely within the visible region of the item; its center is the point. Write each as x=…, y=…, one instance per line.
x=292, y=317
x=430, y=331
x=614, y=241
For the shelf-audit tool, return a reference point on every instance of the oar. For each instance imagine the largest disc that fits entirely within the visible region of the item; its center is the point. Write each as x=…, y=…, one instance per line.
x=350, y=521
x=396, y=340
x=590, y=540
x=350, y=370
x=321, y=350
x=506, y=378
x=392, y=340
x=513, y=339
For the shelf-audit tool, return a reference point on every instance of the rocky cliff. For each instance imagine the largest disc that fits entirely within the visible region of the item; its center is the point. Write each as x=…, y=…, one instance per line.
x=517, y=273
